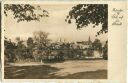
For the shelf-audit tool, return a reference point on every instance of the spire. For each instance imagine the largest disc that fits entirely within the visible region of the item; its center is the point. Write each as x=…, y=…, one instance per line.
x=89, y=39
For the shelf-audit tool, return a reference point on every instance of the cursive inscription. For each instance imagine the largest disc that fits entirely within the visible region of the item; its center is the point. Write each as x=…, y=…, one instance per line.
x=117, y=16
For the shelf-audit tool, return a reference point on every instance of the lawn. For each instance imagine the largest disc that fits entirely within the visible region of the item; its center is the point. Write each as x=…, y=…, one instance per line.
x=89, y=69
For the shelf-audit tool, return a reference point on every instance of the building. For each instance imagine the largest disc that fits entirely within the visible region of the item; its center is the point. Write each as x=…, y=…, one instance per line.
x=85, y=44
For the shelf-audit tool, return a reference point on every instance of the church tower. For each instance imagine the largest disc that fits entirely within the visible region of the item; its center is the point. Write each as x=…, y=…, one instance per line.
x=89, y=40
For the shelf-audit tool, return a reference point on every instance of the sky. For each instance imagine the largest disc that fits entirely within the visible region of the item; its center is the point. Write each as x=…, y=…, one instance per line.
x=55, y=25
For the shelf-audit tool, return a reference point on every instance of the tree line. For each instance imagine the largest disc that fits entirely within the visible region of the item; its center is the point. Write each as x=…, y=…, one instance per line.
x=40, y=48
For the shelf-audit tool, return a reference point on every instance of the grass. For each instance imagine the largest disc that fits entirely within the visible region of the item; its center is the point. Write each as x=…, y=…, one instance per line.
x=29, y=72
x=99, y=74
x=46, y=72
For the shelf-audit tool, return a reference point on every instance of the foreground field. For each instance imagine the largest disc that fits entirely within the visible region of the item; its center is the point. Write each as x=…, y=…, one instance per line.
x=89, y=69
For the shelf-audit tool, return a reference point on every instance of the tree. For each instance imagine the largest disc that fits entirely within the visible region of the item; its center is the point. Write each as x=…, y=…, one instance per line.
x=30, y=47
x=25, y=12
x=97, y=45
x=41, y=39
x=30, y=43
x=9, y=50
x=105, y=51
x=20, y=51
x=41, y=45
x=85, y=14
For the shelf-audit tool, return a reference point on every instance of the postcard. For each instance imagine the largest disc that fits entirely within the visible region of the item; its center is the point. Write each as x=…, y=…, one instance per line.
x=64, y=42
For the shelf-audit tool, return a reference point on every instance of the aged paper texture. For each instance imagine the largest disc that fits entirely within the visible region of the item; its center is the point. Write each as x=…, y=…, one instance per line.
x=64, y=42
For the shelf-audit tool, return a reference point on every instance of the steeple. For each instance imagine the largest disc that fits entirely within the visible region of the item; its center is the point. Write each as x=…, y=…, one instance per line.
x=89, y=40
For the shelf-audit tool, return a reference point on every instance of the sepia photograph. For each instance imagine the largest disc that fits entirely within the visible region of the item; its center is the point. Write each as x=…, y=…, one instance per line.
x=55, y=41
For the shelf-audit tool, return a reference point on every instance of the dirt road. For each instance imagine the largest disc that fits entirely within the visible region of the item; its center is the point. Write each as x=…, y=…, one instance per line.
x=71, y=67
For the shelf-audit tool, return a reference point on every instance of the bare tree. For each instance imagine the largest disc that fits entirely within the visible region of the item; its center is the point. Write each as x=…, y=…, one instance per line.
x=41, y=45
x=41, y=38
